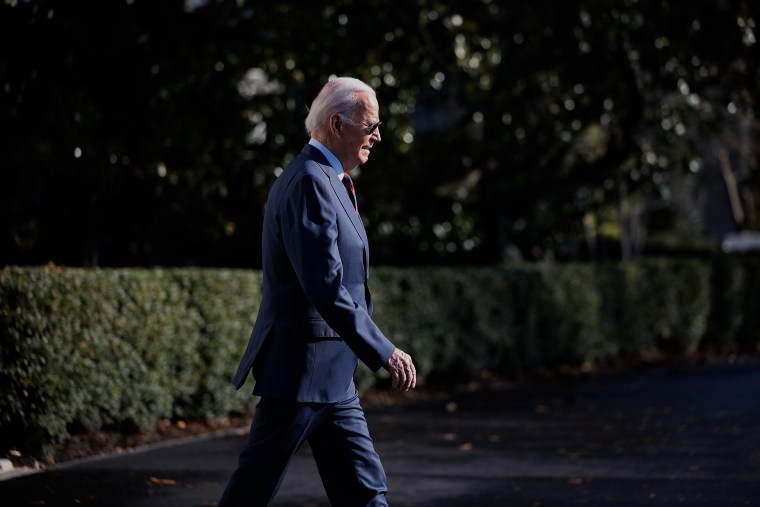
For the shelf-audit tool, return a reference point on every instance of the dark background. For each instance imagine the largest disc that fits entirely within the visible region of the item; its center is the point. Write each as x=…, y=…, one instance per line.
x=140, y=133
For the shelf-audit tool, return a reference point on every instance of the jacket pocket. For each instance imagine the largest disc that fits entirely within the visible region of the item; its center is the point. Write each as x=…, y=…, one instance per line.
x=318, y=328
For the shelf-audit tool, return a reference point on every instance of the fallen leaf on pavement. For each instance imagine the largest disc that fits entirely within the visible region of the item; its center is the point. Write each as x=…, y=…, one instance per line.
x=162, y=482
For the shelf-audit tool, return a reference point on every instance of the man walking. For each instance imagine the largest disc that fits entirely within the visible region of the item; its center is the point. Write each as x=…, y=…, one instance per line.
x=314, y=323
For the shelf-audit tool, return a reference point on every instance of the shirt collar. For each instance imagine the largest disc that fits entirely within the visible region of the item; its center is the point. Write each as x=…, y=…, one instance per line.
x=332, y=159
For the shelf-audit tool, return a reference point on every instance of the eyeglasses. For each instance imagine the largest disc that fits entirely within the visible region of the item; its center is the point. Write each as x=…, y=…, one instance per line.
x=368, y=129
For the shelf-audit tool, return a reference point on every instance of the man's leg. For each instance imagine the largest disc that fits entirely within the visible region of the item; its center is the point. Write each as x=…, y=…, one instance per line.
x=278, y=430
x=348, y=464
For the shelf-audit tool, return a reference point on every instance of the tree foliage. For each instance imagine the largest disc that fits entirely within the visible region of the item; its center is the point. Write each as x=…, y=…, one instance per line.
x=143, y=133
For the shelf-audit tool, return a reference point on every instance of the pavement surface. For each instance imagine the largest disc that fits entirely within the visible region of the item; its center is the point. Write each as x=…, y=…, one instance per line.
x=655, y=437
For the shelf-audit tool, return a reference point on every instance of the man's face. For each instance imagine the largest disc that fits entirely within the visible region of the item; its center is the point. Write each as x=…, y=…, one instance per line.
x=356, y=140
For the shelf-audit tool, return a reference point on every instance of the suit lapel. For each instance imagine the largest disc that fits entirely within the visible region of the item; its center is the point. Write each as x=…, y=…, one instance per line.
x=341, y=194
x=345, y=201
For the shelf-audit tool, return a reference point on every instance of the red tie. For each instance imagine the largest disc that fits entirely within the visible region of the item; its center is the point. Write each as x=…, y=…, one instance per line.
x=351, y=192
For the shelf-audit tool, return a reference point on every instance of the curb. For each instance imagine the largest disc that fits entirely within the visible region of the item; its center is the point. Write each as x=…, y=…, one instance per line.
x=8, y=471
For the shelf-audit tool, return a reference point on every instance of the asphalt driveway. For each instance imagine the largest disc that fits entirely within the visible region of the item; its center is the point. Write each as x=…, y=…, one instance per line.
x=655, y=437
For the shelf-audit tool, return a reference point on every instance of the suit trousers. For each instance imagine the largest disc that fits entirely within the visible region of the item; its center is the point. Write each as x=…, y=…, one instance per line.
x=337, y=433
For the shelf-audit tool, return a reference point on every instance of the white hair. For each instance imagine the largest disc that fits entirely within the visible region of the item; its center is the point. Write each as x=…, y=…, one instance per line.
x=338, y=95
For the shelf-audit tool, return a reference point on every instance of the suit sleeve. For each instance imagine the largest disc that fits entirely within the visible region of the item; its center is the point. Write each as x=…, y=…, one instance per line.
x=310, y=233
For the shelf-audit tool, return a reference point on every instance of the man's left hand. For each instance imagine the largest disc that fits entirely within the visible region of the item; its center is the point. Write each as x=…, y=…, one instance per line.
x=402, y=370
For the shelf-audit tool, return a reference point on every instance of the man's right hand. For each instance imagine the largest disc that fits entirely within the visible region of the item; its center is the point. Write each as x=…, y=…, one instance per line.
x=402, y=370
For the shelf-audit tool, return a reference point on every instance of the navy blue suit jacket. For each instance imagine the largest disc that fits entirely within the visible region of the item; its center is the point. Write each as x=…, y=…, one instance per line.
x=314, y=322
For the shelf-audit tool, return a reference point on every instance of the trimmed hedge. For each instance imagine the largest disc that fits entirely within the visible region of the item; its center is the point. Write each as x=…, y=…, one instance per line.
x=510, y=320
x=87, y=349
